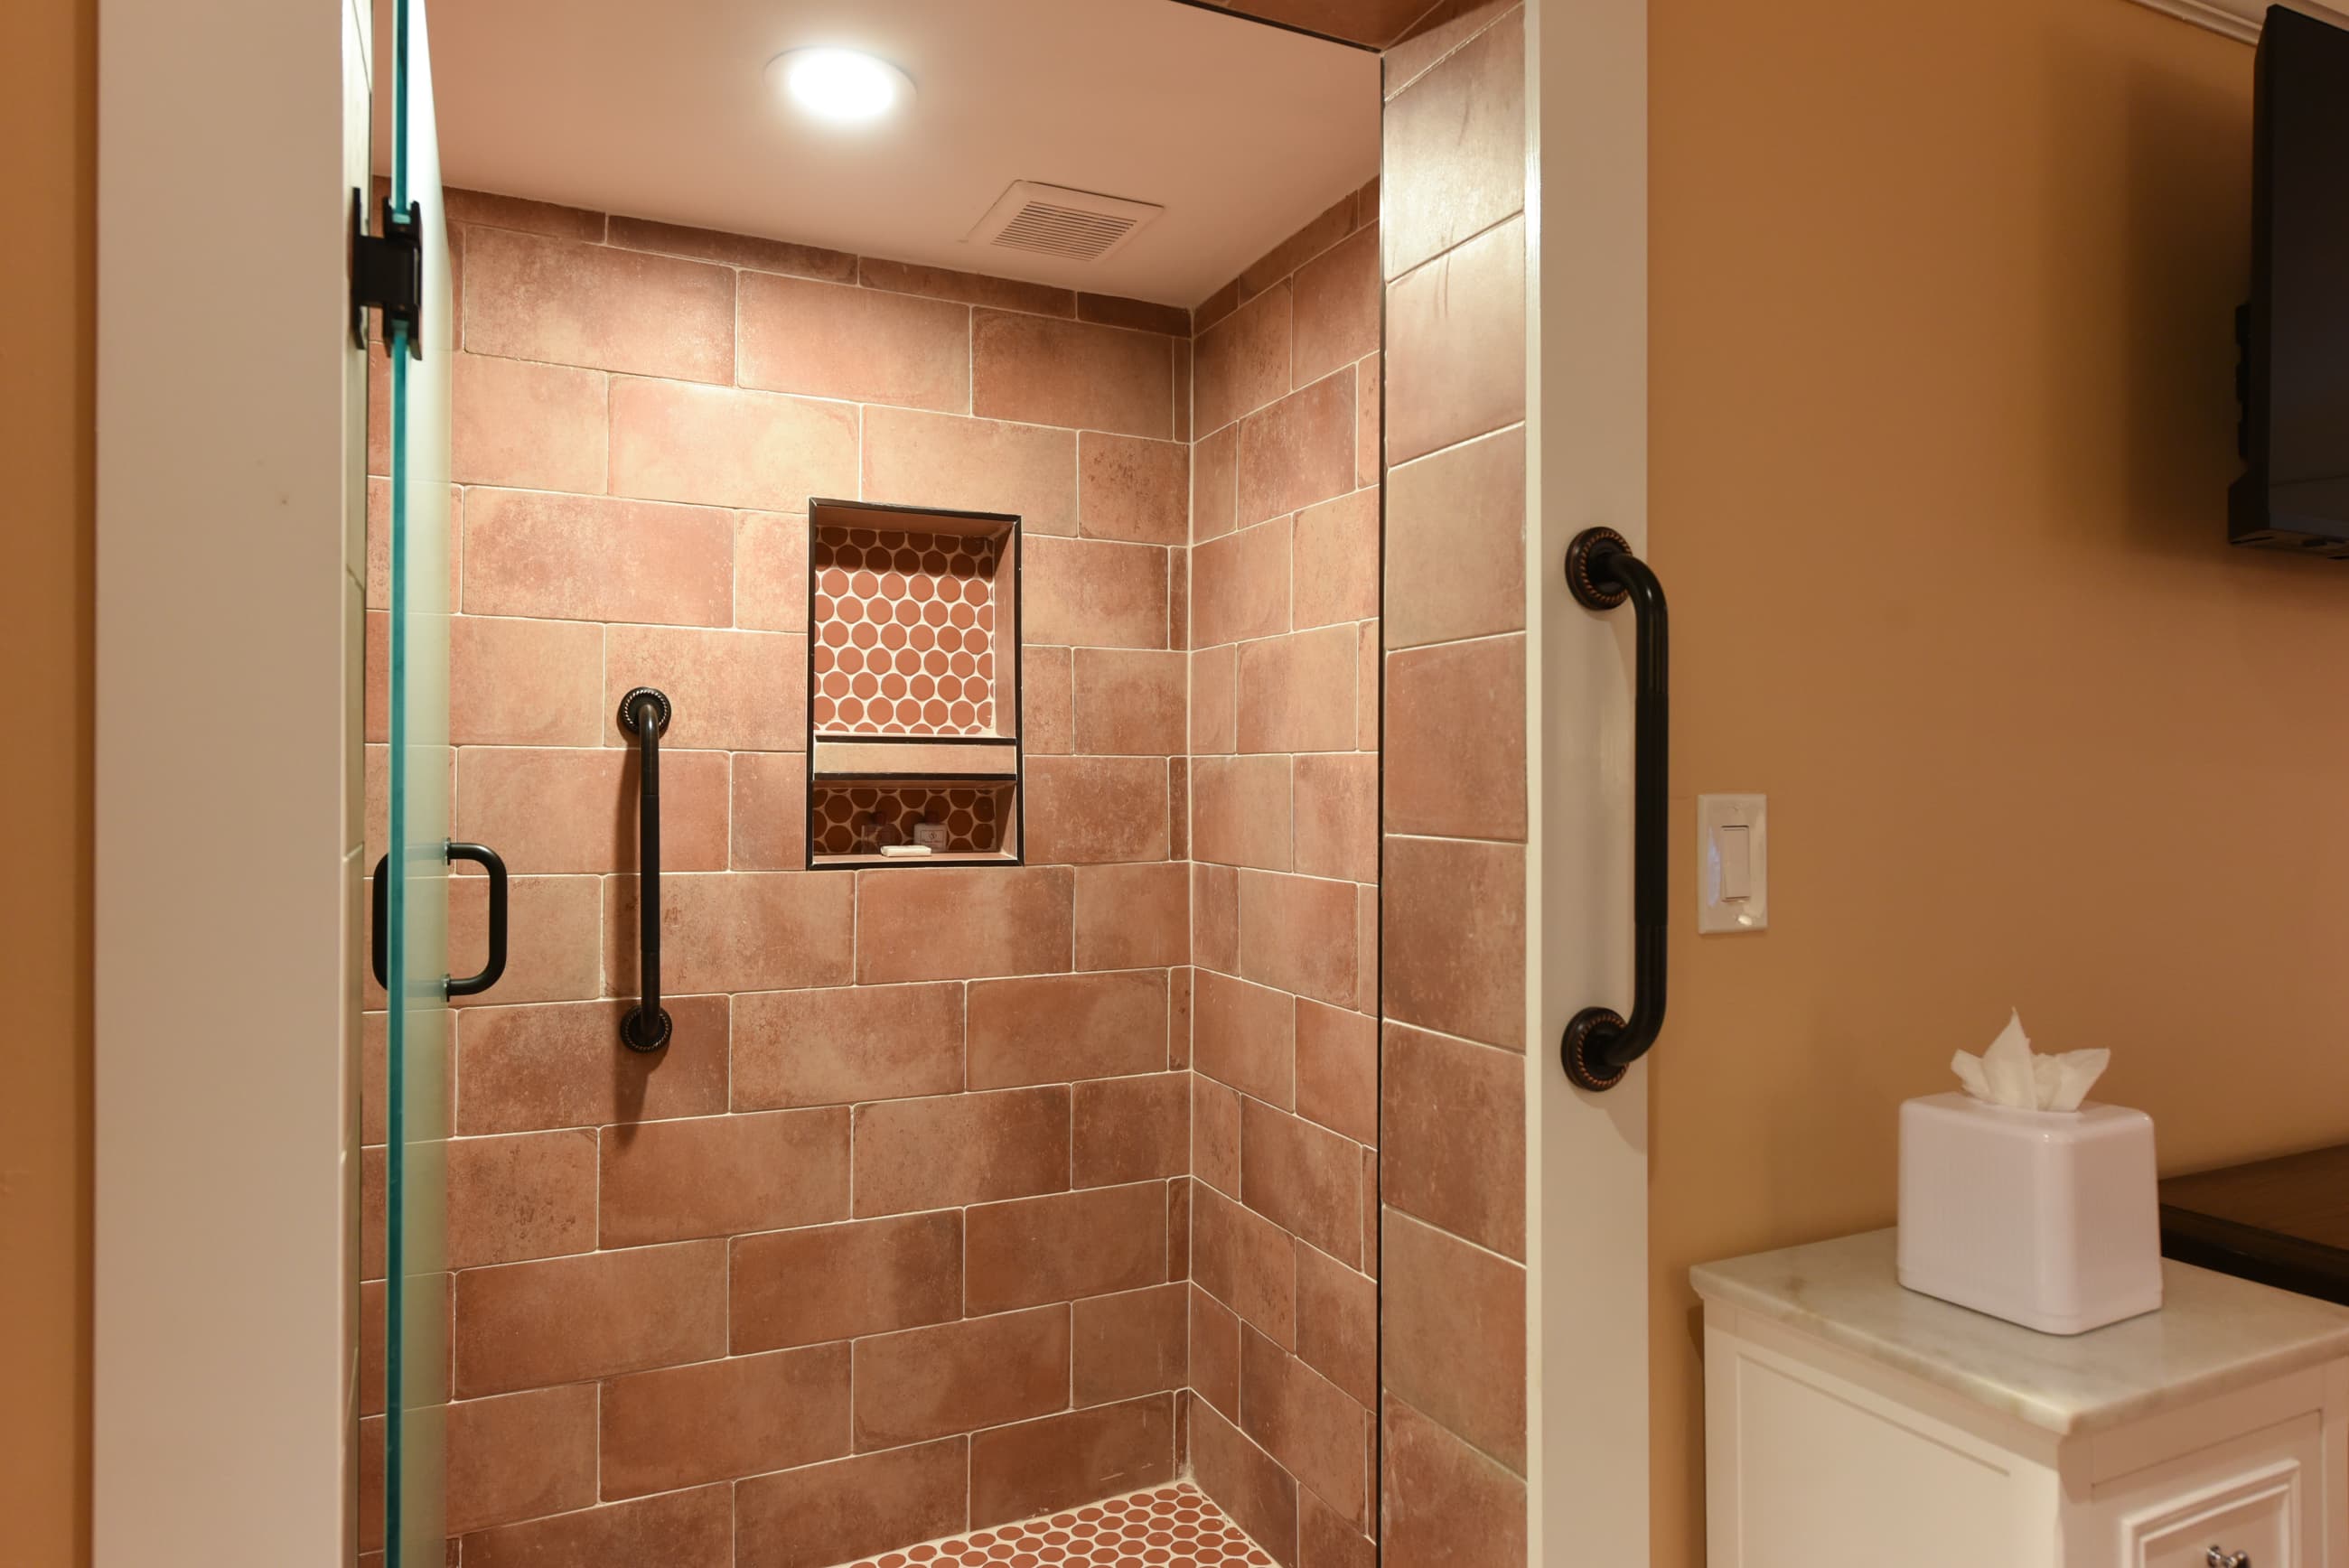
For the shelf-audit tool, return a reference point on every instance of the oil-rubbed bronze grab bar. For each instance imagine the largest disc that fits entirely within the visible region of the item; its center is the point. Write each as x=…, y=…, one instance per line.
x=1599, y=1045
x=644, y=713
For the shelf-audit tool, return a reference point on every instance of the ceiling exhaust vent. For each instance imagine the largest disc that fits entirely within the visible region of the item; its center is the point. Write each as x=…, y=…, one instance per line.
x=1054, y=221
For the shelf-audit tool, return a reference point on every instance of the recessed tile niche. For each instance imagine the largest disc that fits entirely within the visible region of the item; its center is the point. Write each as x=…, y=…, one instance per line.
x=913, y=686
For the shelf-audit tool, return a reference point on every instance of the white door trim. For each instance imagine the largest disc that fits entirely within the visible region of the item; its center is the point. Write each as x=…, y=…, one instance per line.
x=1587, y=411
x=229, y=421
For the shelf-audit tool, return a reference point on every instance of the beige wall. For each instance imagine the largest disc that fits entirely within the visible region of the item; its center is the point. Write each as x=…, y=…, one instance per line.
x=48, y=186
x=1942, y=417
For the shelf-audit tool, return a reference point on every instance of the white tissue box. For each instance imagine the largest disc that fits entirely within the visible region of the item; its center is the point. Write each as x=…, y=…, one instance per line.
x=2044, y=1218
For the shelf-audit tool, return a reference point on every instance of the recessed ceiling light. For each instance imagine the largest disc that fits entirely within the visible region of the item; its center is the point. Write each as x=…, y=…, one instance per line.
x=841, y=85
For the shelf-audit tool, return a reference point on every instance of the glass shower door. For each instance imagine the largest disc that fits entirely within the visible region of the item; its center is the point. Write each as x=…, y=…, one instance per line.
x=414, y=903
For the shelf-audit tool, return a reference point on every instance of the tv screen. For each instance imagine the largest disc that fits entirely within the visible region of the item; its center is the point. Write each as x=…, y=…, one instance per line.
x=2294, y=332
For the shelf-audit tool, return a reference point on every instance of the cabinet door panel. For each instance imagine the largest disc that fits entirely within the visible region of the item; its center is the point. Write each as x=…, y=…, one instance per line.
x=1804, y=1469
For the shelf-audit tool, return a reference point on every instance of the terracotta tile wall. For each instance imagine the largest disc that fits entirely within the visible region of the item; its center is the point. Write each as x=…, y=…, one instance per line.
x=893, y=1240
x=1284, y=790
x=1453, y=1330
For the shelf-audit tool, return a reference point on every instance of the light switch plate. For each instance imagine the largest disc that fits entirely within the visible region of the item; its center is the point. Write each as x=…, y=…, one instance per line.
x=1729, y=827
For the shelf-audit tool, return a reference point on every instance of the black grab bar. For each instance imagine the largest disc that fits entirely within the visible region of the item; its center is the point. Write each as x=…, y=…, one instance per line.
x=471, y=986
x=644, y=713
x=1599, y=1046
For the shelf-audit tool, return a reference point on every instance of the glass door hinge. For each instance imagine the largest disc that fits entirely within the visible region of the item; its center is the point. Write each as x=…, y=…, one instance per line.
x=386, y=272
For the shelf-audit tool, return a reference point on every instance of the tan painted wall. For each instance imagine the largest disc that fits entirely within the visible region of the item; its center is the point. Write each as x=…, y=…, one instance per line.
x=1942, y=420
x=47, y=188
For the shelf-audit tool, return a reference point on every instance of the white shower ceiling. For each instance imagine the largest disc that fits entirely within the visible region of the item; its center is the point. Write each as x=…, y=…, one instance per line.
x=1240, y=130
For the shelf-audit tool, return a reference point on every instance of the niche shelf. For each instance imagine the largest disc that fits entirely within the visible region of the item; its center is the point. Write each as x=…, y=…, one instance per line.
x=912, y=685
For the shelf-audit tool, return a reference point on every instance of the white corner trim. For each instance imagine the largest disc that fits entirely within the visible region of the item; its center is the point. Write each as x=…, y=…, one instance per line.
x=222, y=1424
x=2239, y=19
x=1587, y=315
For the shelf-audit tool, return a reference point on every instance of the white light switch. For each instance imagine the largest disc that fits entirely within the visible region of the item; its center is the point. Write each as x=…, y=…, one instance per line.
x=1732, y=855
x=1735, y=843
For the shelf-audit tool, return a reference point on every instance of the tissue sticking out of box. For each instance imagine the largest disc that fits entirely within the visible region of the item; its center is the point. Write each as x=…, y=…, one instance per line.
x=2011, y=1074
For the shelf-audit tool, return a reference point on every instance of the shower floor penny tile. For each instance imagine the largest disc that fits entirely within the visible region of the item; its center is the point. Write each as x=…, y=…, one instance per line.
x=1166, y=1527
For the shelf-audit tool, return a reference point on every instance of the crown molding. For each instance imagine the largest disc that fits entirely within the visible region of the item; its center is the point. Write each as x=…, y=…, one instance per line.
x=2239, y=19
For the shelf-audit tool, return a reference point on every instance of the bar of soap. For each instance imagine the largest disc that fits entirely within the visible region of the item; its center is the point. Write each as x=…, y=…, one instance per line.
x=903, y=851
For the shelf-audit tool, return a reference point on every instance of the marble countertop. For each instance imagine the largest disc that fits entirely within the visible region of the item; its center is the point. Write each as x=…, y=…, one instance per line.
x=2214, y=1333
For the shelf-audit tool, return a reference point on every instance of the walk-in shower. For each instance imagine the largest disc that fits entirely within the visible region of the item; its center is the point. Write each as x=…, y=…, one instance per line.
x=921, y=674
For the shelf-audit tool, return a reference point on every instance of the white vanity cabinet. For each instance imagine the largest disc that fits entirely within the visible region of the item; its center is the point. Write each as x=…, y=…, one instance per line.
x=1852, y=1424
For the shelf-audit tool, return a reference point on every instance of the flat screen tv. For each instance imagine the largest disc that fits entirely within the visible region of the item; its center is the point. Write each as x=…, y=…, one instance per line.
x=2294, y=332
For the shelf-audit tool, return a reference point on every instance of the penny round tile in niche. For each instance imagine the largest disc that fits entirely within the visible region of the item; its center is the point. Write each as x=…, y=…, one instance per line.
x=849, y=821
x=917, y=595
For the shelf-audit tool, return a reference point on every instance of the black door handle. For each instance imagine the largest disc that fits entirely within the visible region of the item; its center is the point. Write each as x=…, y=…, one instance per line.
x=379, y=924
x=1599, y=1045
x=489, y=861
x=473, y=985
x=644, y=713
